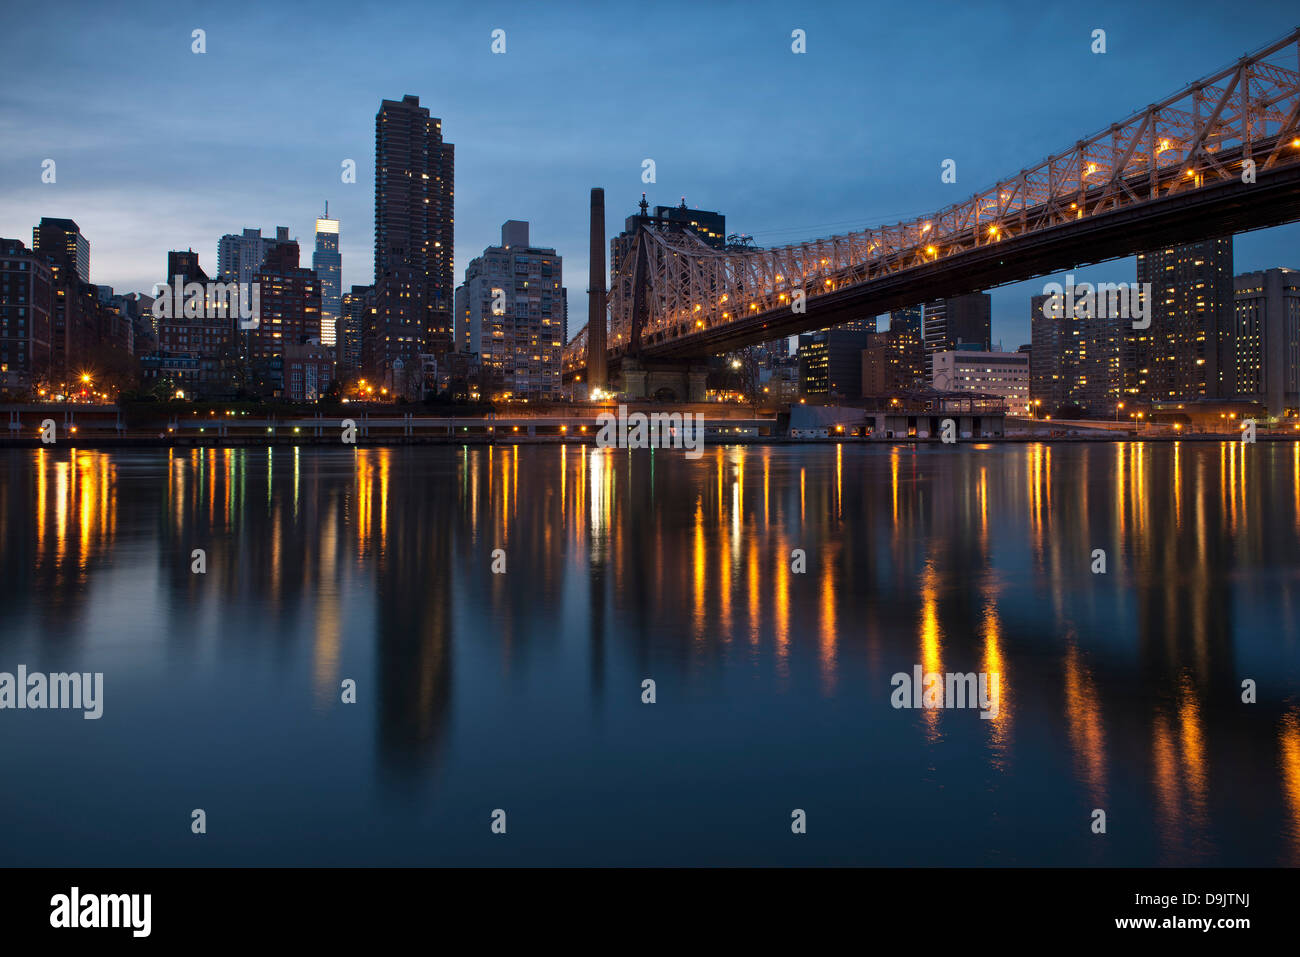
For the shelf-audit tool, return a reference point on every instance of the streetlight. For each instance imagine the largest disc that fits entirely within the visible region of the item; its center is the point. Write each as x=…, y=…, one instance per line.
x=1118, y=409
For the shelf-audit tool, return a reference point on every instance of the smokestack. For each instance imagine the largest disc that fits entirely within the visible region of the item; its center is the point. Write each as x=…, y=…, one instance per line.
x=596, y=296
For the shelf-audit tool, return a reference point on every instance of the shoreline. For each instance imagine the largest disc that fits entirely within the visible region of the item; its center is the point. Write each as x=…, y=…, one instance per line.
x=295, y=441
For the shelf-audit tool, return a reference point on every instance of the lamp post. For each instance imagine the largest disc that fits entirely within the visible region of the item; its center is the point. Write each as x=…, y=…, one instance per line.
x=1118, y=409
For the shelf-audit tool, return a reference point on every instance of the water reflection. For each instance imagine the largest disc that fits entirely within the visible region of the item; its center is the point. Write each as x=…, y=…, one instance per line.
x=1119, y=690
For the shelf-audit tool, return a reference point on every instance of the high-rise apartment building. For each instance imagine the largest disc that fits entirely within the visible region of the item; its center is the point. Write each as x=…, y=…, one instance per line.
x=513, y=305
x=290, y=304
x=352, y=323
x=192, y=350
x=60, y=241
x=947, y=323
x=1076, y=359
x=239, y=257
x=1264, y=344
x=26, y=292
x=830, y=363
x=74, y=314
x=1184, y=353
x=327, y=263
x=414, y=227
x=906, y=348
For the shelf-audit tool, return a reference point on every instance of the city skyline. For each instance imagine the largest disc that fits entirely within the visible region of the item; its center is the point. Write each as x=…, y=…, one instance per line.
x=528, y=164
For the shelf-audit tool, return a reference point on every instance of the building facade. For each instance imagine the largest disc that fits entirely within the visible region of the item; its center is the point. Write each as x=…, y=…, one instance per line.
x=988, y=373
x=1183, y=354
x=1075, y=359
x=26, y=328
x=239, y=257
x=513, y=305
x=290, y=304
x=60, y=241
x=830, y=363
x=947, y=323
x=327, y=263
x=1264, y=344
x=355, y=310
x=414, y=229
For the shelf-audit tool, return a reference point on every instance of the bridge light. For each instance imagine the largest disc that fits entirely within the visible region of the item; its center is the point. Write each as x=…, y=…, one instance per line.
x=925, y=229
x=699, y=323
x=993, y=230
x=930, y=250
x=698, y=307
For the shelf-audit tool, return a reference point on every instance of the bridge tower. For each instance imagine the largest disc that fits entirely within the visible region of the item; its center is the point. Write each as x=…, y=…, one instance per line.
x=596, y=371
x=640, y=292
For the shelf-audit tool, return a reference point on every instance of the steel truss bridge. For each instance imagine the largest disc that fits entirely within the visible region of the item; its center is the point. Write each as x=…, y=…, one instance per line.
x=1175, y=172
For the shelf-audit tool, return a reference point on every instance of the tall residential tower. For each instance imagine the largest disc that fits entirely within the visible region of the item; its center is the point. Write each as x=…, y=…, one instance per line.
x=414, y=254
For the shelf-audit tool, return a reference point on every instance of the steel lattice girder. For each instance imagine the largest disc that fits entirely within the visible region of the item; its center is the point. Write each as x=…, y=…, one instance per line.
x=1207, y=132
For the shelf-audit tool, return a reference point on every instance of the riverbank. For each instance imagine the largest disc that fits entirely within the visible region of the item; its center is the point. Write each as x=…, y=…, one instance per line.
x=91, y=441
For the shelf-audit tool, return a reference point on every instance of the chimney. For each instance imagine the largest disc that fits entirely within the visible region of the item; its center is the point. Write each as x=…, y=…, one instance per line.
x=596, y=329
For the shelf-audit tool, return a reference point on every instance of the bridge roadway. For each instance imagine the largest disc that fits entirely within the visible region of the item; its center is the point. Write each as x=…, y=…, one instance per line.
x=1214, y=209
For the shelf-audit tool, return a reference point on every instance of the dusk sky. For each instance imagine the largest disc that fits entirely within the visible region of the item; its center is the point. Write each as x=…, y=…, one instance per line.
x=159, y=148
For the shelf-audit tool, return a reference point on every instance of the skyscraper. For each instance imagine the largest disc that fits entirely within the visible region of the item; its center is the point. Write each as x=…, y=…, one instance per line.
x=1182, y=355
x=328, y=264
x=414, y=224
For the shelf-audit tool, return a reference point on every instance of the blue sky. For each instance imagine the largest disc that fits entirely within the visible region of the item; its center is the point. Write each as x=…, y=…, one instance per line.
x=159, y=148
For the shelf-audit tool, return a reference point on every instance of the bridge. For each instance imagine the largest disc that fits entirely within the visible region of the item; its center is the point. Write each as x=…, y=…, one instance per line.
x=1220, y=156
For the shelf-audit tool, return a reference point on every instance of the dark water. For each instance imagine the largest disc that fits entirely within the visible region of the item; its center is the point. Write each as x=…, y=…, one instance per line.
x=522, y=691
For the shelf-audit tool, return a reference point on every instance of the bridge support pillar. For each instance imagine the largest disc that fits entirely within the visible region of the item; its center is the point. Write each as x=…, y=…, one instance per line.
x=669, y=381
x=634, y=379
x=697, y=383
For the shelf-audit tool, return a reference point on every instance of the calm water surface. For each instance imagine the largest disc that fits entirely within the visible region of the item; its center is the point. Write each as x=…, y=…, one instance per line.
x=522, y=691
